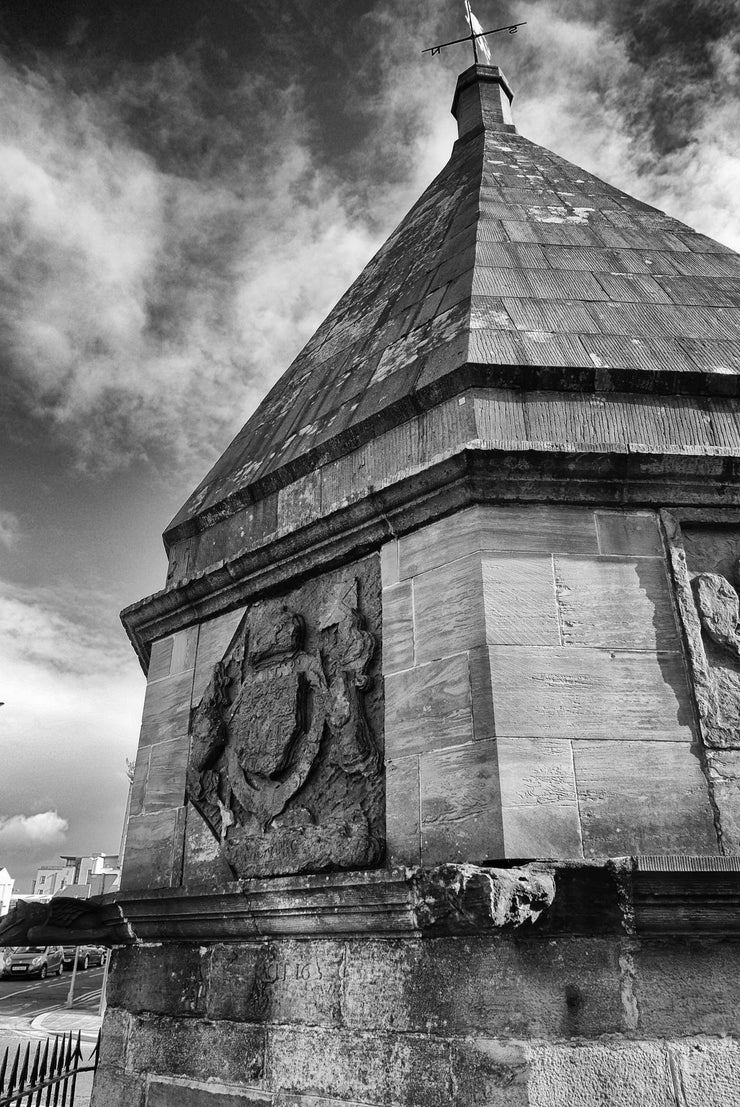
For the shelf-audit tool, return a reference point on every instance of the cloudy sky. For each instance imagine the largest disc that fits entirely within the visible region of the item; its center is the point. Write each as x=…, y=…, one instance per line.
x=185, y=190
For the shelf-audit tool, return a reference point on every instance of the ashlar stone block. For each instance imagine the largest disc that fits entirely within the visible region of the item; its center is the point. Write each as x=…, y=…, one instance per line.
x=428, y=707
x=461, y=805
x=642, y=797
x=402, y=812
x=619, y=603
x=521, y=631
x=590, y=693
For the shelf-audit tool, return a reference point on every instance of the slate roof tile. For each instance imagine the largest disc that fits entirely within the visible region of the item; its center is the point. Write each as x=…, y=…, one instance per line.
x=512, y=256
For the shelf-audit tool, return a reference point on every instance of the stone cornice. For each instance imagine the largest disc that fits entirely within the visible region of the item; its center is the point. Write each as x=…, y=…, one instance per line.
x=478, y=472
x=520, y=378
x=645, y=897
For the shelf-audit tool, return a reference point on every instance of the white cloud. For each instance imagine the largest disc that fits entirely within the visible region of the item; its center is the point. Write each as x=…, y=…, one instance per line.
x=146, y=310
x=584, y=98
x=72, y=692
x=32, y=833
x=9, y=529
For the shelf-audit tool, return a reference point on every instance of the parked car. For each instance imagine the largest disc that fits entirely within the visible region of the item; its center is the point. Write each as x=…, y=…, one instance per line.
x=88, y=955
x=32, y=961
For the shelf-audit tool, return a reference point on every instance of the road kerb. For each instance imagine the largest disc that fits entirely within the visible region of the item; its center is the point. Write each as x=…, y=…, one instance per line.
x=60, y=1022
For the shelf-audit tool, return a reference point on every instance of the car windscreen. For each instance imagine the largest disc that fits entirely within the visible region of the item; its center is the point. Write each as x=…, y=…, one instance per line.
x=29, y=949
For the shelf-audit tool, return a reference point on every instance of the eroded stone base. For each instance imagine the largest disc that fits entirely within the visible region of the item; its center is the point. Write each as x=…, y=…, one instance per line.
x=480, y=1021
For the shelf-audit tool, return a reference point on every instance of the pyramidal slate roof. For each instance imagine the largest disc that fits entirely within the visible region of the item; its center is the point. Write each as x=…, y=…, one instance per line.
x=513, y=257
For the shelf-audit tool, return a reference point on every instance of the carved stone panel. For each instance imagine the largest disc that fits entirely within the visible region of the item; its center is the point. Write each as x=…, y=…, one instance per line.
x=286, y=743
x=706, y=564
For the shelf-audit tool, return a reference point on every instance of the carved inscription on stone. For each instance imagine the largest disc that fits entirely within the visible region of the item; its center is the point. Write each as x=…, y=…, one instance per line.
x=286, y=743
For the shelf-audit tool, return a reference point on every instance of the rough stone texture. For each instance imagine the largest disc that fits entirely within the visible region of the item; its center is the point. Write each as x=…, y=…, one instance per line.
x=501, y=897
x=601, y=1074
x=229, y=1052
x=712, y=555
x=501, y=1020
x=286, y=741
x=157, y=979
x=163, y=1093
x=113, y=1088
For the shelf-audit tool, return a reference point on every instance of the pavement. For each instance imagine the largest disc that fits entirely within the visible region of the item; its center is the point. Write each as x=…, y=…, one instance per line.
x=32, y=1011
x=60, y=1022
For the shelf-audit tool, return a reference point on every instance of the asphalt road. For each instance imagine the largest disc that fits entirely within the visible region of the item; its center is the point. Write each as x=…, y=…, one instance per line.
x=30, y=997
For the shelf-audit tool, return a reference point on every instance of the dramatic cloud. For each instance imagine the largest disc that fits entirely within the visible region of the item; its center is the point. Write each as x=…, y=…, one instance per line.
x=643, y=95
x=33, y=834
x=146, y=308
x=173, y=236
x=9, y=529
x=72, y=693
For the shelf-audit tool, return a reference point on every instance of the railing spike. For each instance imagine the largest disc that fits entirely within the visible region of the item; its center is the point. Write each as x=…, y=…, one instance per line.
x=3, y=1067
x=35, y=1066
x=42, y=1074
x=95, y=1058
x=14, y=1069
x=24, y=1070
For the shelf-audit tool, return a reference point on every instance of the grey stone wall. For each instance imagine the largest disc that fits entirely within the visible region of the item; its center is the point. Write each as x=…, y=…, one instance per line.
x=450, y=1022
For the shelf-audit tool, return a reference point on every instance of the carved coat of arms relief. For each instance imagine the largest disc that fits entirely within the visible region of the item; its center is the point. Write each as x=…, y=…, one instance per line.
x=705, y=558
x=285, y=765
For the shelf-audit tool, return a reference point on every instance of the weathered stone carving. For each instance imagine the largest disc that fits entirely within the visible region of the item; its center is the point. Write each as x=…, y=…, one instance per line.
x=284, y=764
x=719, y=609
x=460, y=898
x=65, y=921
x=705, y=559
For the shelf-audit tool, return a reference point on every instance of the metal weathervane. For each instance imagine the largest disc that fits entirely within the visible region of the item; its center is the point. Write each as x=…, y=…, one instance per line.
x=476, y=38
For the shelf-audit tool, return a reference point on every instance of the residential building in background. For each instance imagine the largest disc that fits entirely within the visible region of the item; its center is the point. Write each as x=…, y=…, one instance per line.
x=98, y=873
x=6, y=890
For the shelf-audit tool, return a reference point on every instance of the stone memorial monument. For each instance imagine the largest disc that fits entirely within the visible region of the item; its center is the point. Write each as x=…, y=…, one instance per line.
x=437, y=796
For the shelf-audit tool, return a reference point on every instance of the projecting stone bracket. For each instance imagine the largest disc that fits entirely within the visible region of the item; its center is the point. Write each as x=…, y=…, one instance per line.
x=66, y=921
x=455, y=899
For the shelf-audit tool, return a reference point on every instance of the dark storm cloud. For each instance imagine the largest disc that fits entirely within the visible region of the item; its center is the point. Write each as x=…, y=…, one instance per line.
x=183, y=201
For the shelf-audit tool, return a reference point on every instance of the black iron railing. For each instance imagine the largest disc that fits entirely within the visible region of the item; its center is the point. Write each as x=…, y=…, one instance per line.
x=45, y=1075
